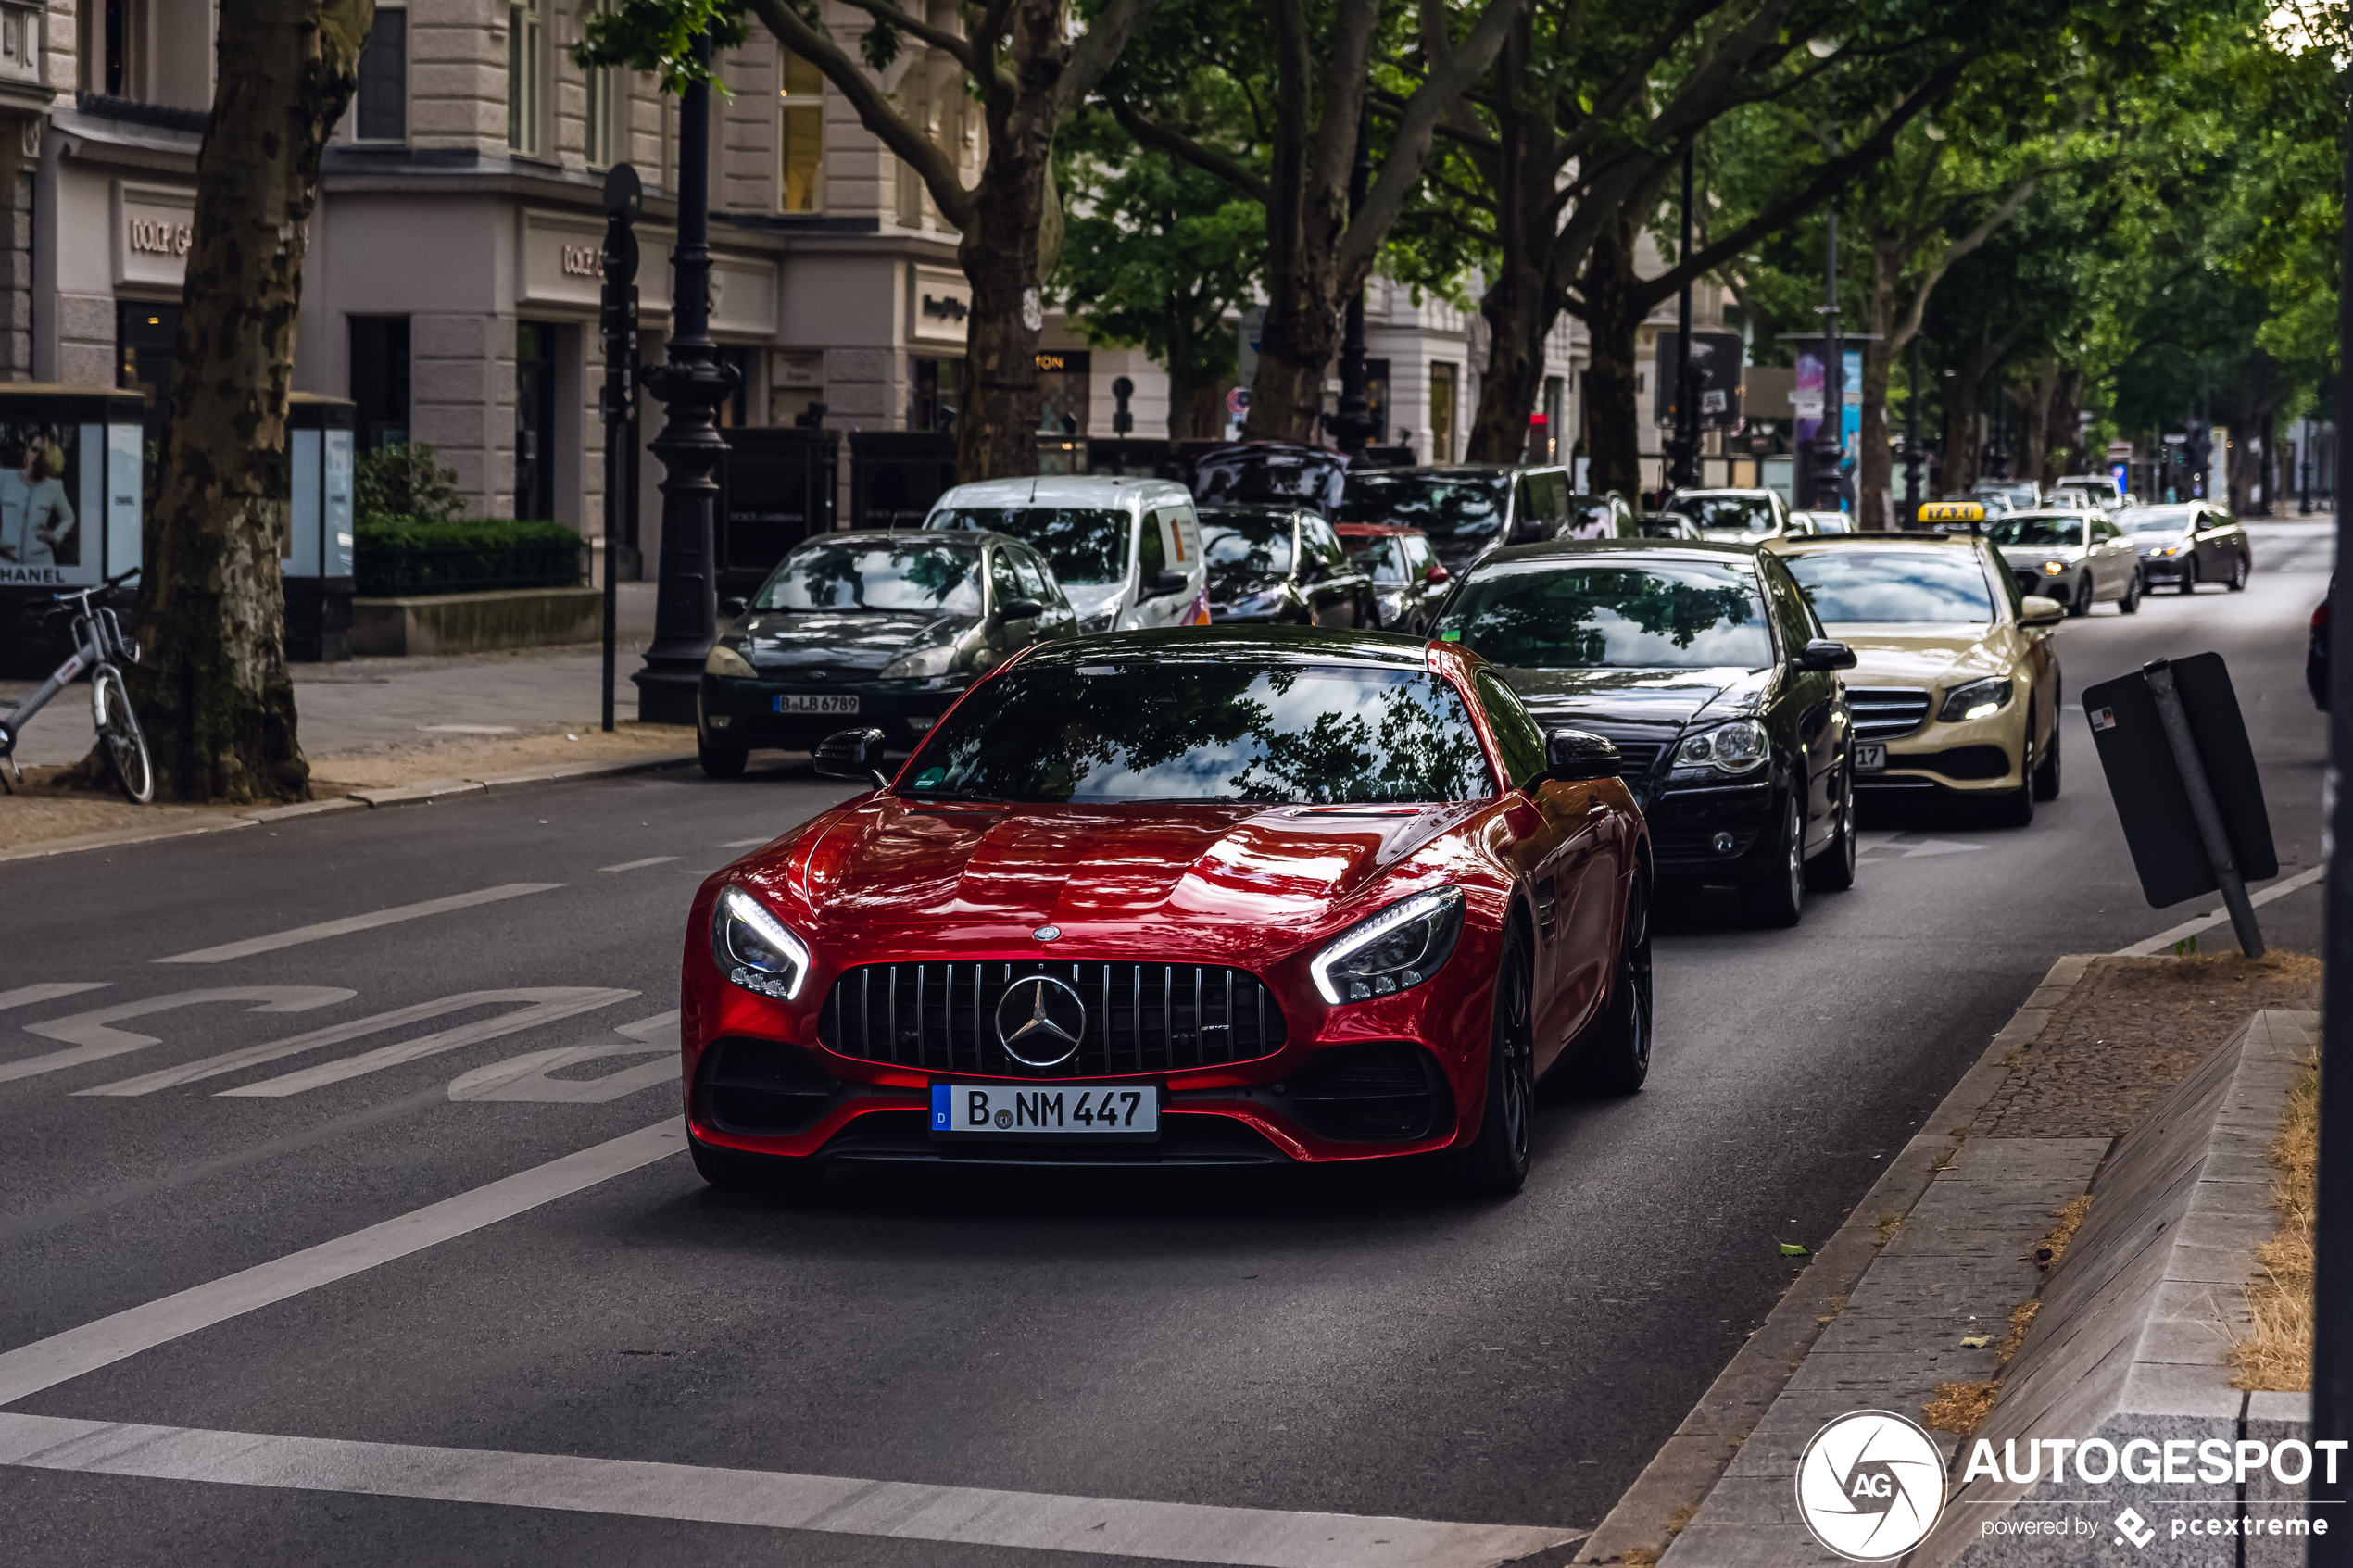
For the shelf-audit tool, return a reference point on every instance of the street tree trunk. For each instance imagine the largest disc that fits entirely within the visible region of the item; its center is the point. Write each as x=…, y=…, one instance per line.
x=212, y=691
x=2063, y=434
x=1614, y=314
x=1874, y=465
x=1519, y=306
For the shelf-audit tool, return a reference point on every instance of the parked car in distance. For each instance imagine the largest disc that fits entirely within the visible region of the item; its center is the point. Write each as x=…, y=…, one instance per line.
x=1703, y=665
x=1665, y=525
x=2100, y=489
x=1956, y=689
x=2015, y=495
x=882, y=629
x=1408, y=579
x=1283, y=565
x=1738, y=515
x=1464, y=509
x=2186, y=543
x=1606, y=516
x=2075, y=556
x=1269, y=473
x=1250, y=897
x=1813, y=525
x=1126, y=551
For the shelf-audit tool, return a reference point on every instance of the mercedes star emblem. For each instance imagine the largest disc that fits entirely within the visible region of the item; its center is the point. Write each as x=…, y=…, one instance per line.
x=1040, y=1021
x=1046, y=933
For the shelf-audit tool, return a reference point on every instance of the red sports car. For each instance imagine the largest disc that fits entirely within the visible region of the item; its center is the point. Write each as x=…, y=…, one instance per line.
x=1225, y=896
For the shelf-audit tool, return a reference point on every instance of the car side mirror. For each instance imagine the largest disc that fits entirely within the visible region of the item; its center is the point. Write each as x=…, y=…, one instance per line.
x=2035, y=610
x=732, y=607
x=1437, y=574
x=851, y=754
x=1821, y=653
x=1019, y=609
x=1163, y=583
x=1571, y=755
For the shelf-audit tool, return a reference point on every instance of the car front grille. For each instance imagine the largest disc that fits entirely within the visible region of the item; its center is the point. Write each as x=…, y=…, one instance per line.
x=1140, y=1017
x=1886, y=713
x=1637, y=757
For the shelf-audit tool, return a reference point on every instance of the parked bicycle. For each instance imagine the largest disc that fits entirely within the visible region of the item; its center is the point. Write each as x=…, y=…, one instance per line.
x=98, y=642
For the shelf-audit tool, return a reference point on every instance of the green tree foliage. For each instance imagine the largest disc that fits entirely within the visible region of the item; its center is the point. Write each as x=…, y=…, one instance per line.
x=407, y=480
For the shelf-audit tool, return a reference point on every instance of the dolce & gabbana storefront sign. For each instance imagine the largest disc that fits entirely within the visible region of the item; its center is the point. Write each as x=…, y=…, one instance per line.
x=154, y=230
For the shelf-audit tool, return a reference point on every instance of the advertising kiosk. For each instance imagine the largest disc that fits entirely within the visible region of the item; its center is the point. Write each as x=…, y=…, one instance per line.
x=72, y=500
x=317, y=562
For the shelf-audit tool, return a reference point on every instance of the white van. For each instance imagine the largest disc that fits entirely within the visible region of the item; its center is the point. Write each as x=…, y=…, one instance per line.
x=1126, y=551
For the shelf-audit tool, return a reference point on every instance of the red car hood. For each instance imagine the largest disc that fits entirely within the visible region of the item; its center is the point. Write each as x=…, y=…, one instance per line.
x=886, y=873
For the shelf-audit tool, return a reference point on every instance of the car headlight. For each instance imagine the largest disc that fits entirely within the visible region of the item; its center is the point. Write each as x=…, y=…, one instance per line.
x=924, y=662
x=2053, y=567
x=2168, y=550
x=724, y=660
x=1979, y=699
x=1737, y=747
x=754, y=950
x=1401, y=947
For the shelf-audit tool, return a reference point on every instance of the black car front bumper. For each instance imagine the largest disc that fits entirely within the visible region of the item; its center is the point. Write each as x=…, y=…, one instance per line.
x=739, y=715
x=1717, y=832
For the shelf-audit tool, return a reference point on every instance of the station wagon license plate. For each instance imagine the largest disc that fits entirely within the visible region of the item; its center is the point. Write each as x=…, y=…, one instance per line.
x=1870, y=757
x=1125, y=1110
x=832, y=706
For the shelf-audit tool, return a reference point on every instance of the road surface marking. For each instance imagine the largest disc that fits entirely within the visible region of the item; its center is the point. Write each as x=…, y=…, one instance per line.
x=467, y=728
x=526, y=1077
x=94, y=1038
x=640, y=865
x=745, y=843
x=25, y=995
x=2164, y=939
x=551, y=1002
x=1257, y=1537
x=320, y=932
x=63, y=1357
x=546, y=1010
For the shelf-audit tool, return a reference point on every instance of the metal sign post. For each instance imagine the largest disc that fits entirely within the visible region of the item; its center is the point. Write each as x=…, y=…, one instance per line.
x=618, y=320
x=2159, y=674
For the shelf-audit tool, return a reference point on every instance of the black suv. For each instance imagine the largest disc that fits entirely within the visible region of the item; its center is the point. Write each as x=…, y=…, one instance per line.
x=1466, y=509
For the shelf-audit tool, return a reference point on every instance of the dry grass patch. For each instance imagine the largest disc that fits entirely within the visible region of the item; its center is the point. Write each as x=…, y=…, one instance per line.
x=1958, y=1408
x=2278, y=1354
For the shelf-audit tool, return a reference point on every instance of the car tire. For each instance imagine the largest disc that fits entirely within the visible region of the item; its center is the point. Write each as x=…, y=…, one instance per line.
x=2046, y=770
x=1495, y=1165
x=721, y=761
x=1619, y=1060
x=2188, y=582
x=775, y=1176
x=2016, y=809
x=1832, y=871
x=1777, y=899
x=2131, y=603
x=2079, y=603
x=2238, y=574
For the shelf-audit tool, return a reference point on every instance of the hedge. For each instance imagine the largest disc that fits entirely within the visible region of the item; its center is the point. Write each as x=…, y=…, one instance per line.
x=409, y=555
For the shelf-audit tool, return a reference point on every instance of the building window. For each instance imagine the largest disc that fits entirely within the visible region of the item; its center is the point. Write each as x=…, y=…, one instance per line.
x=1064, y=390
x=523, y=78
x=736, y=412
x=938, y=387
x=146, y=345
x=1441, y=413
x=804, y=134
x=383, y=78
x=112, y=47
x=603, y=85
x=535, y=418
x=380, y=381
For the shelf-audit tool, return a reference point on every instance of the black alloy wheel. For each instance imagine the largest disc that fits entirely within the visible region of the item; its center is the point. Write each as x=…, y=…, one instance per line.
x=2080, y=603
x=1832, y=871
x=1495, y=1165
x=2131, y=603
x=2238, y=573
x=2046, y=772
x=1619, y=1058
x=2188, y=583
x=1778, y=896
x=2016, y=808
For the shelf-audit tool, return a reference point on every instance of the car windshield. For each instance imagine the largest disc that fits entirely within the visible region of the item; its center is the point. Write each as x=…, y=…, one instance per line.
x=2154, y=520
x=935, y=576
x=2035, y=531
x=1086, y=546
x=1205, y=729
x=1242, y=545
x=1727, y=514
x=1376, y=556
x=1549, y=614
x=1893, y=585
x=1463, y=511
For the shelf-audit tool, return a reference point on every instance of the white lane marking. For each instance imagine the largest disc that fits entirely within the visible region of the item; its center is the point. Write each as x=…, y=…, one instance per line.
x=25, y=995
x=745, y=843
x=467, y=728
x=335, y=1033
x=344, y=927
x=552, y=1002
x=526, y=1077
x=2164, y=939
x=93, y=1039
x=1256, y=1538
x=63, y=1357
x=640, y=865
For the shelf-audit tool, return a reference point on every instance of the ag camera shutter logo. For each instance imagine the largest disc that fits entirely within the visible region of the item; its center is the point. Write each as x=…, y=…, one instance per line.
x=1871, y=1485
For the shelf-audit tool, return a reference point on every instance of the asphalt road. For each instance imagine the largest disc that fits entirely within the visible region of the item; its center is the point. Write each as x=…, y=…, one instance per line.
x=1355, y=1345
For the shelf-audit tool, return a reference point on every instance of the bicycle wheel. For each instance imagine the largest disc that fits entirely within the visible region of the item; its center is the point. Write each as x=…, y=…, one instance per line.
x=119, y=727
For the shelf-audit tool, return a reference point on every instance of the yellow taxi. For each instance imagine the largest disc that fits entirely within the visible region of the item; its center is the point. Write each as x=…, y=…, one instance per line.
x=1956, y=688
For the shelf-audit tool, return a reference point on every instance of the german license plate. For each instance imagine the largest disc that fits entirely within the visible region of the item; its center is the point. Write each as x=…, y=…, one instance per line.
x=1870, y=757
x=1126, y=1110
x=832, y=706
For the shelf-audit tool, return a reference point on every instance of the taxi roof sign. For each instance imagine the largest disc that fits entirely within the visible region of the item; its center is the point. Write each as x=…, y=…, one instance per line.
x=1952, y=511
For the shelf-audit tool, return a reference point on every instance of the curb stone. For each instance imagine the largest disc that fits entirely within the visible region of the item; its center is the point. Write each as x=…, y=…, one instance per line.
x=1691, y=1462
